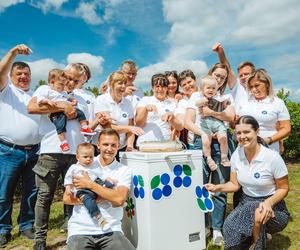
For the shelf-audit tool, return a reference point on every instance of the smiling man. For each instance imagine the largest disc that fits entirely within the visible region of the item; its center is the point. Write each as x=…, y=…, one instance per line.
x=19, y=144
x=84, y=232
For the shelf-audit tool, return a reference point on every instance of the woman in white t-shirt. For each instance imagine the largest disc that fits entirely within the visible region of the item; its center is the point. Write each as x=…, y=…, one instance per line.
x=155, y=114
x=120, y=110
x=270, y=111
x=221, y=174
x=263, y=176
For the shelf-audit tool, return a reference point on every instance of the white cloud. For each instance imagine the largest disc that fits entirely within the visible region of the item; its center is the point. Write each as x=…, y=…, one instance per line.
x=41, y=68
x=144, y=74
x=88, y=12
x=296, y=95
x=47, y=5
x=7, y=3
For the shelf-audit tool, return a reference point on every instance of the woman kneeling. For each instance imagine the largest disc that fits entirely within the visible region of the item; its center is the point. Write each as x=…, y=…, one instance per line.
x=263, y=176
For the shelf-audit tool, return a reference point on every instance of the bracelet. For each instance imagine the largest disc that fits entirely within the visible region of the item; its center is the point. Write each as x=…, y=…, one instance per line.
x=270, y=140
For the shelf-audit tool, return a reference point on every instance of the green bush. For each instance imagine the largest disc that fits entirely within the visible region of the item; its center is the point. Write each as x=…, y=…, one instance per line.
x=292, y=143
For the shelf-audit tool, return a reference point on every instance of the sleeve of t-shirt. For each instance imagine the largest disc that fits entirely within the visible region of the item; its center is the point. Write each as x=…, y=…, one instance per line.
x=143, y=102
x=69, y=175
x=278, y=166
x=234, y=161
x=41, y=93
x=124, y=178
x=283, y=113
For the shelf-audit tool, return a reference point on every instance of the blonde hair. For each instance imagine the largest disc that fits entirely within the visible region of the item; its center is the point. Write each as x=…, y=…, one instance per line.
x=262, y=76
x=206, y=80
x=55, y=74
x=84, y=145
x=115, y=77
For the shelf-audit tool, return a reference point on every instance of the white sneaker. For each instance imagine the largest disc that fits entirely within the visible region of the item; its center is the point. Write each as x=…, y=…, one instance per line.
x=217, y=238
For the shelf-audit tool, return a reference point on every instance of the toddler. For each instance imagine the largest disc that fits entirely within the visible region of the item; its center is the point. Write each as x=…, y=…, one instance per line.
x=210, y=125
x=85, y=157
x=56, y=96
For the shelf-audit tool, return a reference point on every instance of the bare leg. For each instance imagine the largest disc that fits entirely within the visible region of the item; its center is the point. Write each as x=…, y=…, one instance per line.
x=206, y=141
x=256, y=226
x=222, y=139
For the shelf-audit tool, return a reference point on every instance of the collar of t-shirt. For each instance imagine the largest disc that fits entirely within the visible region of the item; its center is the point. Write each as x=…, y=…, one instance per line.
x=258, y=158
x=265, y=100
x=29, y=92
x=114, y=162
x=111, y=100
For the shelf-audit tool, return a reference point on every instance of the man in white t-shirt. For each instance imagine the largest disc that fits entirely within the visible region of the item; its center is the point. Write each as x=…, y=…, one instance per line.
x=19, y=144
x=83, y=230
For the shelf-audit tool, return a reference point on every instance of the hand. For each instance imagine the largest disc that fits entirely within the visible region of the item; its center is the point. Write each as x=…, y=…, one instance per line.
x=202, y=102
x=103, y=88
x=21, y=49
x=129, y=90
x=68, y=190
x=167, y=117
x=217, y=47
x=82, y=181
x=136, y=130
x=211, y=187
x=266, y=211
x=103, y=118
x=178, y=97
x=151, y=108
x=175, y=134
x=205, y=111
x=48, y=102
x=111, y=180
x=70, y=111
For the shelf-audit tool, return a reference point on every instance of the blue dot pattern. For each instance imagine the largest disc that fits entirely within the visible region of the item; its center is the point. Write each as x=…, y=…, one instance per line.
x=178, y=181
x=203, y=194
x=165, y=190
x=138, y=190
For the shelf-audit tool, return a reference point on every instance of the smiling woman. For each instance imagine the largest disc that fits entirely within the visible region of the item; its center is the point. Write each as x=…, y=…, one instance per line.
x=263, y=176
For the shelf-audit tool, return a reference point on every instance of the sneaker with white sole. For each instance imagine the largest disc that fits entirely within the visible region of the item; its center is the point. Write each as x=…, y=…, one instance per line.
x=217, y=238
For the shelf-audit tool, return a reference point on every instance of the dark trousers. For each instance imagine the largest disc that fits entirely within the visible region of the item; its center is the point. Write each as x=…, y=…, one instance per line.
x=59, y=120
x=48, y=169
x=89, y=197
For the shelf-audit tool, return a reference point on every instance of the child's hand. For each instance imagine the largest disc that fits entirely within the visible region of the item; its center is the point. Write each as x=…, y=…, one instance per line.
x=201, y=103
x=113, y=181
x=178, y=97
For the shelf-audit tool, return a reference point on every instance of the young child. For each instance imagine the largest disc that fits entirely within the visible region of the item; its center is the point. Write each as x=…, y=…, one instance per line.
x=85, y=157
x=56, y=95
x=210, y=125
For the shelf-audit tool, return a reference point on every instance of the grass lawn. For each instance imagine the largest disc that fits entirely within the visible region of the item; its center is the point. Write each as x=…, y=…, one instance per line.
x=288, y=239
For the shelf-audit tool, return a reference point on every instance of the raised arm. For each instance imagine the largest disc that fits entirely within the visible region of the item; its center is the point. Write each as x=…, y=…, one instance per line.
x=223, y=59
x=7, y=60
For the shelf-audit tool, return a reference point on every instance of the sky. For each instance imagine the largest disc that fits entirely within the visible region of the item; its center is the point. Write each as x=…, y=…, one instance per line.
x=158, y=35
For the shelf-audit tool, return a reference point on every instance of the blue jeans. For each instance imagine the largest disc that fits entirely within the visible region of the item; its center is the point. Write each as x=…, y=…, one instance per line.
x=59, y=120
x=16, y=164
x=89, y=197
x=221, y=175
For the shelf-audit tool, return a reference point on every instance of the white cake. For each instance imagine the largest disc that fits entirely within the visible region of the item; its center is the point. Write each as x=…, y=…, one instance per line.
x=160, y=146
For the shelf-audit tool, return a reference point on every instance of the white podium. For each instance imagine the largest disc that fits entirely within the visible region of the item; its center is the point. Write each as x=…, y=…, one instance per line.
x=165, y=209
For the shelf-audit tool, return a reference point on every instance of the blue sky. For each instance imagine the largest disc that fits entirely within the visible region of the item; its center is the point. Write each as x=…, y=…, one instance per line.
x=158, y=34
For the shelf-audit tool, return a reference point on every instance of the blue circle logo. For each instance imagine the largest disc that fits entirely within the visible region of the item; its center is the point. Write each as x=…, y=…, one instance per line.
x=124, y=115
x=256, y=175
x=88, y=102
x=183, y=175
x=160, y=186
x=204, y=202
x=138, y=186
x=264, y=112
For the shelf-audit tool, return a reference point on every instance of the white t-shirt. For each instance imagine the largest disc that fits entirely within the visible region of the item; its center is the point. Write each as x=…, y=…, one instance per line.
x=81, y=223
x=267, y=112
x=258, y=178
x=155, y=129
x=239, y=95
x=17, y=126
x=50, y=142
x=120, y=112
x=93, y=170
x=53, y=95
x=135, y=98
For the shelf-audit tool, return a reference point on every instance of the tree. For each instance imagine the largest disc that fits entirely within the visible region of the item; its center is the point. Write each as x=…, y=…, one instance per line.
x=94, y=90
x=40, y=83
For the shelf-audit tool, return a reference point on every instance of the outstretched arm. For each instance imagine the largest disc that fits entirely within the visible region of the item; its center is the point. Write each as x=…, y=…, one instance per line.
x=222, y=58
x=6, y=62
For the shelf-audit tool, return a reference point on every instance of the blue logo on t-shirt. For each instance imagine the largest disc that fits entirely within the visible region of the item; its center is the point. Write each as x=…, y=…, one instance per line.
x=88, y=102
x=124, y=115
x=264, y=112
x=256, y=175
x=138, y=99
x=167, y=110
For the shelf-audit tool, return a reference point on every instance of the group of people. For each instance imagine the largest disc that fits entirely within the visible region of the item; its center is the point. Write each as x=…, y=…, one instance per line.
x=58, y=129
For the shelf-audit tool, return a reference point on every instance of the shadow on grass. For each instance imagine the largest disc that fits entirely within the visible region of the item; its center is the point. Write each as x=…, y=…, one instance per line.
x=279, y=242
